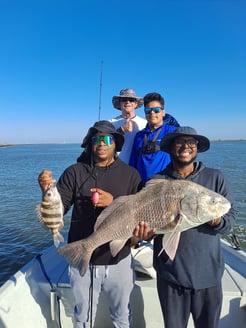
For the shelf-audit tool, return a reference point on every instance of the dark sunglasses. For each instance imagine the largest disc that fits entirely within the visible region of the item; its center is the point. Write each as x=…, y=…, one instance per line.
x=189, y=142
x=107, y=140
x=154, y=109
x=128, y=99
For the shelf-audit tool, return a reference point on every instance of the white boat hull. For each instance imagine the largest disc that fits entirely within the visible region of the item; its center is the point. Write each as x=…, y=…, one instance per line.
x=28, y=297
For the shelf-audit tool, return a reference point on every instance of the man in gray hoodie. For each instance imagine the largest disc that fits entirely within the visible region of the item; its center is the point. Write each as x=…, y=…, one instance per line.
x=191, y=283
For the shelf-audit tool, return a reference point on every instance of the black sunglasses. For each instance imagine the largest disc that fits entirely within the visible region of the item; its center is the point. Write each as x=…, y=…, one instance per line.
x=128, y=99
x=189, y=142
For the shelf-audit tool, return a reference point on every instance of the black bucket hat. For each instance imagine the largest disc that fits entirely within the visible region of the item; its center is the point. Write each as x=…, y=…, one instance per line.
x=203, y=142
x=104, y=127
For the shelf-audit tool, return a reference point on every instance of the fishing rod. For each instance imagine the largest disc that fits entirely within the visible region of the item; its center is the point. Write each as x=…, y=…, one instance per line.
x=100, y=92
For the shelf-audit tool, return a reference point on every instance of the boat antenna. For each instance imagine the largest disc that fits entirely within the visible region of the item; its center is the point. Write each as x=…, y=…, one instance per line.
x=100, y=92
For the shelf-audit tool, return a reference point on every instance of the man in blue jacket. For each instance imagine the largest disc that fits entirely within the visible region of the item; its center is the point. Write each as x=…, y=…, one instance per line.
x=146, y=155
x=191, y=283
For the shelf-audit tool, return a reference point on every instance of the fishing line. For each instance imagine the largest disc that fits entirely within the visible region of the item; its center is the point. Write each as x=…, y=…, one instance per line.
x=94, y=171
x=38, y=257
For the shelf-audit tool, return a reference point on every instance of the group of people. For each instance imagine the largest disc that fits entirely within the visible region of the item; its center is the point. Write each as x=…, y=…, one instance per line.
x=119, y=156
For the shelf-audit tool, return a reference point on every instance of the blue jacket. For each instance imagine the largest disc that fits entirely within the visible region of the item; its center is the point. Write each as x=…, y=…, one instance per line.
x=149, y=164
x=199, y=261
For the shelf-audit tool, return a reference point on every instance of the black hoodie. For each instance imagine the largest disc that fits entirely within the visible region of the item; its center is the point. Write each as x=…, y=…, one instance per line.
x=74, y=186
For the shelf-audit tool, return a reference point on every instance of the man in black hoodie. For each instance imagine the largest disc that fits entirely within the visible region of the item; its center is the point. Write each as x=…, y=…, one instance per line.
x=99, y=170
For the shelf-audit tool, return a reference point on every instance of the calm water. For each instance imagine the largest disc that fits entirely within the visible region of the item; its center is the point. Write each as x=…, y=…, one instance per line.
x=21, y=235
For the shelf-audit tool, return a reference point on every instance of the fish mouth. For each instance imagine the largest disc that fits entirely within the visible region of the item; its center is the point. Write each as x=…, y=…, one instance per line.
x=227, y=208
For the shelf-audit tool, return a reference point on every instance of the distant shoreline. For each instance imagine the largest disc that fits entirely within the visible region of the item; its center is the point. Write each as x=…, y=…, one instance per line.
x=228, y=140
x=6, y=145
x=57, y=143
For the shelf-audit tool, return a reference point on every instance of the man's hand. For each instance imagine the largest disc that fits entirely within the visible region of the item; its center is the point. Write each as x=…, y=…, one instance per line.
x=105, y=198
x=128, y=126
x=214, y=222
x=45, y=180
x=142, y=232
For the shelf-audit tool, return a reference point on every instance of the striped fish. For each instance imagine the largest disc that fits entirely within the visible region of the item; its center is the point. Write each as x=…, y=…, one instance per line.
x=50, y=213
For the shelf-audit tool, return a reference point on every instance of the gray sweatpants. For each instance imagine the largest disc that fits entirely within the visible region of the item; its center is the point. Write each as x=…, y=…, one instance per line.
x=117, y=281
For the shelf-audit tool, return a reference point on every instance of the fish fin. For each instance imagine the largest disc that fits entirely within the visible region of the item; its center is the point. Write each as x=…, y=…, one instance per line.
x=58, y=238
x=170, y=242
x=76, y=254
x=116, y=245
x=39, y=214
x=117, y=202
x=38, y=211
x=61, y=224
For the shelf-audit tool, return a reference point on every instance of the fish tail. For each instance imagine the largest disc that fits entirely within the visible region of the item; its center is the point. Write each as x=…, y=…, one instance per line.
x=77, y=255
x=58, y=238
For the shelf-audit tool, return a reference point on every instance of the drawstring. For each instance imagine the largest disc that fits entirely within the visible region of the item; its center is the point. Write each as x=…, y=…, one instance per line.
x=97, y=272
x=106, y=271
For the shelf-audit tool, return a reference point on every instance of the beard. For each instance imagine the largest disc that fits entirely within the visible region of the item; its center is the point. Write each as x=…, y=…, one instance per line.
x=182, y=163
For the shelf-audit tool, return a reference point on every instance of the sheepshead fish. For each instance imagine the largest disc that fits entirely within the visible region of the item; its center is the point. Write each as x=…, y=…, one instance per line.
x=170, y=206
x=50, y=212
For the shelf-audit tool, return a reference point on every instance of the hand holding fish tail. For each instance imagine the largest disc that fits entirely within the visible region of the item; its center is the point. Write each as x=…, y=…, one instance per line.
x=104, y=198
x=45, y=180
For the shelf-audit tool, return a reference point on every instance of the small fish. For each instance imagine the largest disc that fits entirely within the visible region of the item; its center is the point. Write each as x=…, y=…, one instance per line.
x=170, y=206
x=50, y=213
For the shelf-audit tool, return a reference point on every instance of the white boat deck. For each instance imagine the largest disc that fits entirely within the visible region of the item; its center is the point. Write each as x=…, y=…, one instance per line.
x=25, y=298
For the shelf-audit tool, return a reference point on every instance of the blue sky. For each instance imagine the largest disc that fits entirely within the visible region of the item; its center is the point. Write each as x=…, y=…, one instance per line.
x=192, y=52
